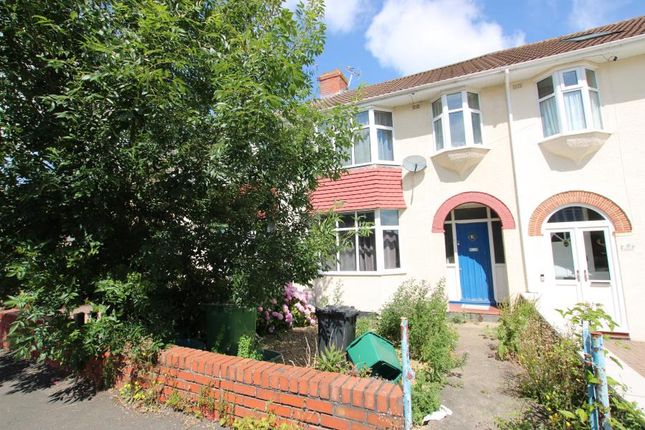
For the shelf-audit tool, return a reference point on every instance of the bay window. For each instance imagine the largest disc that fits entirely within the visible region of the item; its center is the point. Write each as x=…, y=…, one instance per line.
x=369, y=242
x=456, y=120
x=569, y=101
x=376, y=138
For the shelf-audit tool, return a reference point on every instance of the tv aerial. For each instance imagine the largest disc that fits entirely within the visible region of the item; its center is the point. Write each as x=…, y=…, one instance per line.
x=353, y=71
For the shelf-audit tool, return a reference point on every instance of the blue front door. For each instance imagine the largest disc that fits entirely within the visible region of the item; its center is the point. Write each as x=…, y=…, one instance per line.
x=475, y=271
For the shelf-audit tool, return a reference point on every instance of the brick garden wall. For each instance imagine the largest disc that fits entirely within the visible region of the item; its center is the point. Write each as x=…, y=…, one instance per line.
x=314, y=399
x=244, y=387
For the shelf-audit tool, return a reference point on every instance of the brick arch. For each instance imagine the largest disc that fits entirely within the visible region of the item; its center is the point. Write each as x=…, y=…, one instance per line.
x=508, y=222
x=615, y=214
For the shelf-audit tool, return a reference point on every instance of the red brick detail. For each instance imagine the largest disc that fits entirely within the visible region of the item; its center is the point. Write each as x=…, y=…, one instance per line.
x=372, y=187
x=611, y=210
x=332, y=83
x=505, y=215
x=7, y=317
x=307, y=398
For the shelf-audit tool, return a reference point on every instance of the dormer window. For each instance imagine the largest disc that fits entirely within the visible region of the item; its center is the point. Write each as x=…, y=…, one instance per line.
x=456, y=120
x=376, y=139
x=569, y=101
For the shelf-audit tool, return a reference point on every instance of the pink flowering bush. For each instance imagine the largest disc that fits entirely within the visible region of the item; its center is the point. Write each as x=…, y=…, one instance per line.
x=290, y=310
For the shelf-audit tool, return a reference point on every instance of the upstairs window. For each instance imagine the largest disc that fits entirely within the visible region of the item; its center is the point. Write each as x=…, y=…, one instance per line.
x=376, y=138
x=456, y=120
x=569, y=101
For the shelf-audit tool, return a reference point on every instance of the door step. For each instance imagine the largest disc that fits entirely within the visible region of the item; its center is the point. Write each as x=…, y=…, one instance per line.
x=474, y=312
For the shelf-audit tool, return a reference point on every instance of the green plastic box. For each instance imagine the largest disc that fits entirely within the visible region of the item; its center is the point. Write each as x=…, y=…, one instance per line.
x=373, y=351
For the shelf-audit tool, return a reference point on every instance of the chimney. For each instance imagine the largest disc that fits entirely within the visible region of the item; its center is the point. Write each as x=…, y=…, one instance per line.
x=332, y=83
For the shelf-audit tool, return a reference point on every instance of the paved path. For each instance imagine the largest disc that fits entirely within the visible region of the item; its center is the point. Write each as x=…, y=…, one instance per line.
x=32, y=397
x=481, y=390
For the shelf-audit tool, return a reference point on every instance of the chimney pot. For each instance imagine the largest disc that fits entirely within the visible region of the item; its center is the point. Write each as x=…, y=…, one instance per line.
x=332, y=83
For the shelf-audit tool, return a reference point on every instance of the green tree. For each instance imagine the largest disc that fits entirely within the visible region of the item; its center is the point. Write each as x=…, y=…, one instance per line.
x=156, y=154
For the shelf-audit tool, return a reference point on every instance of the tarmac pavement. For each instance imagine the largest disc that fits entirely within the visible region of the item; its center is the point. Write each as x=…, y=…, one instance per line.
x=35, y=397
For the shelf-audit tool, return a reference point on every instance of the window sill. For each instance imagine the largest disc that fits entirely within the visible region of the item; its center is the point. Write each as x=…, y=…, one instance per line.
x=373, y=163
x=576, y=146
x=461, y=159
x=392, y=272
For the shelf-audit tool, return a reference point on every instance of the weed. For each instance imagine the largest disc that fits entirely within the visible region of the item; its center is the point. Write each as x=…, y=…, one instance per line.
x=248, y=348
x=332, y=360
x=175, y=401
x=264, y=423
x=365, y=324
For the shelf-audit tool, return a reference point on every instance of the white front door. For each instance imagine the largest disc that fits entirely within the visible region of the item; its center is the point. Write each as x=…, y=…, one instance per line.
x=584, y=268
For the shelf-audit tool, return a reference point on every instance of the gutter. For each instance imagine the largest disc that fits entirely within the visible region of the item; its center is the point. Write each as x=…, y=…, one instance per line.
x=545, y=60
x=509, y=110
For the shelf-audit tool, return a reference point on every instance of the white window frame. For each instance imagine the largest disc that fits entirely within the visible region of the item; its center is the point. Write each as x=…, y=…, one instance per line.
x=378, y=233
x=559, y=89
x=373, y=139
x=444, y=117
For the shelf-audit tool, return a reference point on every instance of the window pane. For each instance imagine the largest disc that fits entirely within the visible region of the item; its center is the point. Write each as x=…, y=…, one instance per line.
x=591, y=78
x=471, y=213
x=477, y=128
x=389, y=217
x=363, y=118
x=498, y=242
x=457, y=132
x=545, y=87
x=383, y=118
x=367, y=252
x=347, y=257
x=576, y=214
x=365, y=217
x=346, y=220
x=347, y=153
x=385, y=147
x=437, y=109
x=438, y=134
x=449, y=246
x=391, y=255
x=562, y=250
x=570, y=78
x=549, y=114
x=597, y=260
x=473, y=101
x=575, y=110
x=595, y=109
x=454, y=101
x=362, y=151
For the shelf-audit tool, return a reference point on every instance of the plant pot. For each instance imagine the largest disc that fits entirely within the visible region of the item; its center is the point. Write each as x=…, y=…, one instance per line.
x=224, y=324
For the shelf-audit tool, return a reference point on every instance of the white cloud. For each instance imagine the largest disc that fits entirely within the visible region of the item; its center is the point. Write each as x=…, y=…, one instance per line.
x=341, y=16
x=417, y=35
x=592, y=13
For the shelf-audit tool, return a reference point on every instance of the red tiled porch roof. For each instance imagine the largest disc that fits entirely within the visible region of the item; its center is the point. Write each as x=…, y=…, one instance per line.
x=373, y=187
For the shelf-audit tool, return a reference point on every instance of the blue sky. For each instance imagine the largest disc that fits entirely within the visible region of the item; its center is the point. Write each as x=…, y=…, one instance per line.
x=385, y=39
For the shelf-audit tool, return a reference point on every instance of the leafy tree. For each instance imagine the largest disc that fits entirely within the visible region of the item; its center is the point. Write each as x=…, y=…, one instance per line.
x=155, y=155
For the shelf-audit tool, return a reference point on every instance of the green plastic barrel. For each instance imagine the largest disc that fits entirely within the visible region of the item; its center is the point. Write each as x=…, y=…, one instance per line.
x=374, y=352
x=225, y=324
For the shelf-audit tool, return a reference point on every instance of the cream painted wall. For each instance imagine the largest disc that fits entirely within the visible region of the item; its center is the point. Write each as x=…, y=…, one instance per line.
x=616, y=171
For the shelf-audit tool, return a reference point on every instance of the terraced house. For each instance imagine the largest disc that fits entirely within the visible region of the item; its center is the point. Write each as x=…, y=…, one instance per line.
x=534, y=178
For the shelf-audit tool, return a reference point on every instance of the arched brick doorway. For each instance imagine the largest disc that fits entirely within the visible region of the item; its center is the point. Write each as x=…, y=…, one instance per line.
x=508, y=222
x=614, y=213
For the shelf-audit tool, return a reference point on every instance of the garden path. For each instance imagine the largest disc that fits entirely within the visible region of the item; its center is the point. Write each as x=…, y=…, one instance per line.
x=481, y=390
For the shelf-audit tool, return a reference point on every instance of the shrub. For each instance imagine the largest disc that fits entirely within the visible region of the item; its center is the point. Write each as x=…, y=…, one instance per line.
x=555, y=375
x=333, y=360
x=432, y=338
x=514, y=316
x=425, y=395
x=365, y=324
x=291, y=310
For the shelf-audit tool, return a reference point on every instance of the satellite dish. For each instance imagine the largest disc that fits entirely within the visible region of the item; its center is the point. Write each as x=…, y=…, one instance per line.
x=414, y=163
